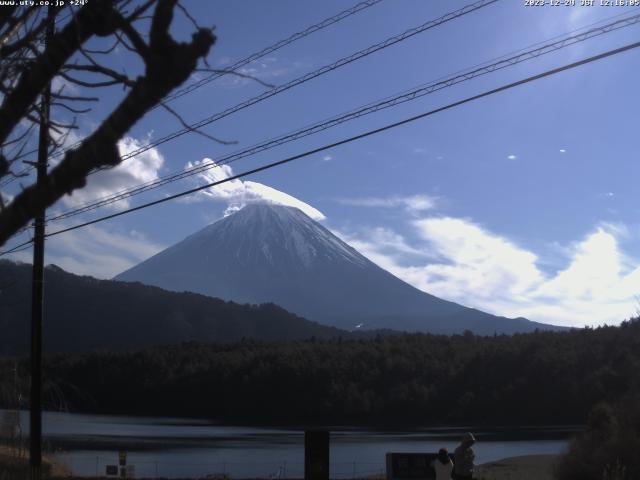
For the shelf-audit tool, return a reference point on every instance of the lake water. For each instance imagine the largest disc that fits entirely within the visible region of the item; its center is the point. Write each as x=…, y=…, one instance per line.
x=175, y=447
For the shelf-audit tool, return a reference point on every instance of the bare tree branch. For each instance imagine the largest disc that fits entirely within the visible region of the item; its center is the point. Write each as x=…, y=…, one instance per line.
x=19, y=137
x=122, y=42
x=106, y=51
x=70, y=109
x=6, y=15
x=53, y=125
x=194, y=130
x=137, y=13
x=118, y=77
x=186, y=13
x=139, y=45
x=92, y=19
x=74, y=98
x=168, y=65
x=87, y=84
x=29, y=37
x=15, y=23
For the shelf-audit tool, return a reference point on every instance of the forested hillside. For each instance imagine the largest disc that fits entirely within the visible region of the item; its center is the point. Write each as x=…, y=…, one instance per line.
x=83, y=314
x=411, y=380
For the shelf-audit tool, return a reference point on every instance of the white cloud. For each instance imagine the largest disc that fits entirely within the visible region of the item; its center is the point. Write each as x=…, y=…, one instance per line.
x=478, y=268
x=411, y=203
x=420, y=151
x=95, y=251
x=512, y=157
x=327, y=158
x=478, y=260
x=130, y=173
x=596, y=266
x=562, y=150
x=388, y=245
x=238, y=193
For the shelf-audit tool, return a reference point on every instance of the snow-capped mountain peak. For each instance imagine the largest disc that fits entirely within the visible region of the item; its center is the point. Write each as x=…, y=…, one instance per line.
x=273, y=253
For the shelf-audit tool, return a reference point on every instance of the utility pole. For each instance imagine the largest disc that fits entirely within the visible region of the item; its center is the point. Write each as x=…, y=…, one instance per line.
x=35, y=398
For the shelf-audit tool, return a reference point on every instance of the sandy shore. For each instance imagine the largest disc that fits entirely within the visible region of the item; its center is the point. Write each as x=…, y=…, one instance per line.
x=527, y=467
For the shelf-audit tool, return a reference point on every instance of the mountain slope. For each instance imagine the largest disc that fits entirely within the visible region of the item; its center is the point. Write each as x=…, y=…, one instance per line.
x=269, y=253
x=83, y=313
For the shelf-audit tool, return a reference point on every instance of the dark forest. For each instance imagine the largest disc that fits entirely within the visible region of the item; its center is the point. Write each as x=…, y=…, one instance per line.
x=546, y=378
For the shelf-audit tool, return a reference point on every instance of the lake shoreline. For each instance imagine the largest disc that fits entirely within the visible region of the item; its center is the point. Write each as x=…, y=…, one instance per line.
x=510, y=430
x=182, y=448
x=524, y=467
x=326, y=423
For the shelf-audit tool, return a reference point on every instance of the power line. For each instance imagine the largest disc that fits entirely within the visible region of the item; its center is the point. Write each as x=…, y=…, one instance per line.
x=327, y=68
x=22, y=173
x=316, y=73
x=369, y=133
x=17, y=248
x=272, y=48
x=241, y=63
x=521, y=56
x=307, y=77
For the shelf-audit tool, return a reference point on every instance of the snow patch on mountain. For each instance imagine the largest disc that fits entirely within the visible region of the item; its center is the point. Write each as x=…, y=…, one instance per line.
x=289, y=228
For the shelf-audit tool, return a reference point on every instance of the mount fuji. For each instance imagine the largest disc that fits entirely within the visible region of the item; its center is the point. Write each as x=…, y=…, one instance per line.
x=271, y=253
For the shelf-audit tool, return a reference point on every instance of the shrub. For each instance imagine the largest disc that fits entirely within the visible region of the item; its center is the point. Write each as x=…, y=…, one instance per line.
x=608, y=449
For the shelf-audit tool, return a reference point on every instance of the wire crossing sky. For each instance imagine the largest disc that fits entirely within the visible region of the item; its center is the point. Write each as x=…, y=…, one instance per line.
x=298, y=81
x=273, y=48
x=237, y=66
x=386, y=103
x=357, y=137
x=521, y=204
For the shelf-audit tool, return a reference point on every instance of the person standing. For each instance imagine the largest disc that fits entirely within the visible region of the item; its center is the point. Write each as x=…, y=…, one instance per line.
x=442, y=465
x=464, y=457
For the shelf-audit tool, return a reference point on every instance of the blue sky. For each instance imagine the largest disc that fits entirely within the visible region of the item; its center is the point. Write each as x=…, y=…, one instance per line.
x=520, y=204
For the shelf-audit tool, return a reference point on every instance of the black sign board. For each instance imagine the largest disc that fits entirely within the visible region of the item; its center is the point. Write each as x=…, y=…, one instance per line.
x=316, y=455
x=112, y=470
x=411, y=466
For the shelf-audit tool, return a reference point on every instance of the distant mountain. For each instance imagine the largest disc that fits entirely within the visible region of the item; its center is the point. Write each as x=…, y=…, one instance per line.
x=270, y=253
x=83, y=313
